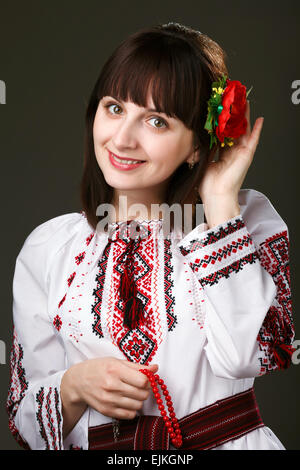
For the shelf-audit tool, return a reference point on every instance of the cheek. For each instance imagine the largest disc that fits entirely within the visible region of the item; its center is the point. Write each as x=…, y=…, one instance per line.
x=100, y=127
x=97, y=129
x=166, y=154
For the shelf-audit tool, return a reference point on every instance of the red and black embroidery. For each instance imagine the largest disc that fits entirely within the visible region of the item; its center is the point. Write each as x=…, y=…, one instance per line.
x=62, y=301
x=49, y=418
x=17, y=388
x=168, y=285
x=225, y=272
x=89, y=238
x=277, y=332
x=79, y=258
x=214, y=236
x=140, y=343
x=222, y=253
x=39, y=417
x=71, y=278
x=98, y=291
x=123, y=233
x=57, y=322
x=138, y=346
x=58, y=414
x=219, y=257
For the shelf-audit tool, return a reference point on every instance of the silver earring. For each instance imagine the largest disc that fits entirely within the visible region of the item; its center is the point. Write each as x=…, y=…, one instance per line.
x=191, y=165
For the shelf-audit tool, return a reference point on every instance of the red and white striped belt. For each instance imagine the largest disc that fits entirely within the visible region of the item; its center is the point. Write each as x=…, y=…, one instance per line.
x=211, y=426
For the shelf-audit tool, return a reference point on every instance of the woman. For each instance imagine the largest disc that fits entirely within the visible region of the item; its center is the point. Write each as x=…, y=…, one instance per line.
x=99, y=313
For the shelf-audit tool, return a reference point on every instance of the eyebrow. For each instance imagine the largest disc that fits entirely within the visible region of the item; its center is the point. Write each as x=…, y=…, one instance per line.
x=146, y=109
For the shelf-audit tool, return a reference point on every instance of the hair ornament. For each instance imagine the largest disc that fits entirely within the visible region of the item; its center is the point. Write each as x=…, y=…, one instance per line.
x=226, y=111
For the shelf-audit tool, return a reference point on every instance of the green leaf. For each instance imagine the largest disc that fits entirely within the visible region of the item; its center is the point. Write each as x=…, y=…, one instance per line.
x=249, y=91
x=208, y=124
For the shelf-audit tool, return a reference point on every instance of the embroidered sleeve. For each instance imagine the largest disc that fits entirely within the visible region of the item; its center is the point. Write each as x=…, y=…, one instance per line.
x=243, y=276
x=37, y=361
x=277, y=333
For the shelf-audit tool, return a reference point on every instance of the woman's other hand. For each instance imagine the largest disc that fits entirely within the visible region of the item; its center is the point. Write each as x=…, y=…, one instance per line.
x=111, y=386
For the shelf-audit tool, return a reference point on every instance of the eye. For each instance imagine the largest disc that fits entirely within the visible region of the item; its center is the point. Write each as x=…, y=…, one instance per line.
x=161, y=121
x=112, y=104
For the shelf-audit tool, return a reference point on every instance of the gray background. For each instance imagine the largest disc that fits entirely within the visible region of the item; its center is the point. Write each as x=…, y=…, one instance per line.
x=50, y=56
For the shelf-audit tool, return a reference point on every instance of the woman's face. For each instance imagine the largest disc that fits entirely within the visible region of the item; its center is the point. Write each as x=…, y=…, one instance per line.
x=135, y=133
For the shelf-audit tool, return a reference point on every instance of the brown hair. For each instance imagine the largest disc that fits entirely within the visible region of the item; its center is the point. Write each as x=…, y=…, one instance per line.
x=178, y=65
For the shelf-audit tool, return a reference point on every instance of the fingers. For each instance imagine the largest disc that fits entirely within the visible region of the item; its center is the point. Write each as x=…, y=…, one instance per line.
x=115, y=387
x=255, y=135
x=129, y=396
x=127, y=389
x=138, y=366
x=256, y=131
x=247, y=116
x=124, y=407
x=250, y=139
x=123, y=413
x=131, y=374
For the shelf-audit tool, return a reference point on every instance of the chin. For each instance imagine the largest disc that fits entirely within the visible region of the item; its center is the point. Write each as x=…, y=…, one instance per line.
x=119, y=183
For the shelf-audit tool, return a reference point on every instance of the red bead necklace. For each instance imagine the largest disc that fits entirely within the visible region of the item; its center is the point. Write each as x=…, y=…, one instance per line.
x=170, y=422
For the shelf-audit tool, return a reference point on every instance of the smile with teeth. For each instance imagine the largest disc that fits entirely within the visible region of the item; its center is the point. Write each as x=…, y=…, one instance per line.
x=128, y=162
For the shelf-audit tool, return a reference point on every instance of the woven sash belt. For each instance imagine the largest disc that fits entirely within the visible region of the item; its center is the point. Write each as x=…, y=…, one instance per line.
x=204, y=429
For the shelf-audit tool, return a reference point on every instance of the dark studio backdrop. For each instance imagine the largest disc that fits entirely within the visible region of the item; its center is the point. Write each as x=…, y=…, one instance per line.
x=50, y=56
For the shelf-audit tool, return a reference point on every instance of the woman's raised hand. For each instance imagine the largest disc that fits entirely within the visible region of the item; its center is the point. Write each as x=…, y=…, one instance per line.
x=222, y=179
x=225, y=176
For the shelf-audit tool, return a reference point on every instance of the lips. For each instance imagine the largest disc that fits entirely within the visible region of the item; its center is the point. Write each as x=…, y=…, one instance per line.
x=123, y=166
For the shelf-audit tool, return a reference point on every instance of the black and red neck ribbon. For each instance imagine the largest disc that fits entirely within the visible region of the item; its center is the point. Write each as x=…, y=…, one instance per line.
x=133, y=306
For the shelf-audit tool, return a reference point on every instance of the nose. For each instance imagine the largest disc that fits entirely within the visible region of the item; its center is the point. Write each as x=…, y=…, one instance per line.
x=125, y=134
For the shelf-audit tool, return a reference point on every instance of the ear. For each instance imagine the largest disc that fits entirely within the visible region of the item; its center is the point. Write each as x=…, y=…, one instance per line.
x=194, y=155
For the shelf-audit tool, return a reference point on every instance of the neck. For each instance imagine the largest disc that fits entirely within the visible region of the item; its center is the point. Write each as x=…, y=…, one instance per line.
x=137, y=205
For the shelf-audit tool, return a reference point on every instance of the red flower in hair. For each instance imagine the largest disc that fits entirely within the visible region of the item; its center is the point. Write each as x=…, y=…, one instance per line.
x=232, y=122
x=226, y=112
